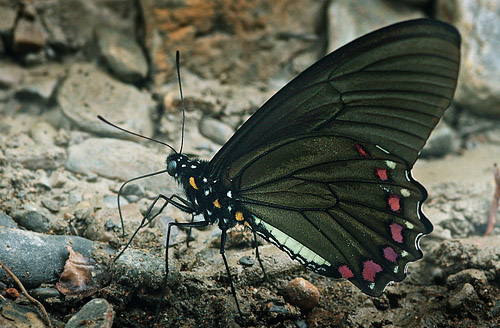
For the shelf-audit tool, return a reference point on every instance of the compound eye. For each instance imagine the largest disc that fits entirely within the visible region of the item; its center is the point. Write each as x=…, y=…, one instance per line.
x=172, y=167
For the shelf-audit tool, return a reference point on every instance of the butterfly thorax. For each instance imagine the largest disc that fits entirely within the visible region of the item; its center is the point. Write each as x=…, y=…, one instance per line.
x=207, y=195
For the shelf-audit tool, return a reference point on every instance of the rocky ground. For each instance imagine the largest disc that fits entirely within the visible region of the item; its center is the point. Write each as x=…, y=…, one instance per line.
x=62, y=63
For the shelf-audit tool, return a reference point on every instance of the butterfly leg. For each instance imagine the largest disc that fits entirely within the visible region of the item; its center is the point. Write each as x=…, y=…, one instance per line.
x=184, y=206
x=257, y=255
x=222, y=252
x=196, y=224
x=189, y=231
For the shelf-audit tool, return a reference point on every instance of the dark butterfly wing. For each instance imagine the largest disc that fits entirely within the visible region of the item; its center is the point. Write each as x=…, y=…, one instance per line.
x=323, y=168
x=391, y=86
x=350, y=210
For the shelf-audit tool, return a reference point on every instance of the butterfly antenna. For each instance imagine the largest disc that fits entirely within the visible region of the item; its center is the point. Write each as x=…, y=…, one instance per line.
x=135, y=134
x=177, y=60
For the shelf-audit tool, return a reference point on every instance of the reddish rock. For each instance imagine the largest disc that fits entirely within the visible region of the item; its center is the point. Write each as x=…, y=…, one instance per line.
x=302, y=293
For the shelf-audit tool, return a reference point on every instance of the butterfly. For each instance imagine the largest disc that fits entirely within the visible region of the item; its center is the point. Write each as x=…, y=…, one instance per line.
x=323, y=169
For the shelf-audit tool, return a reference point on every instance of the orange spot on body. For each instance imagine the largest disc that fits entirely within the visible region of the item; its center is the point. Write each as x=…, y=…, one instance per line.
x=192, y=183
x=239, y=216
x=216, y=203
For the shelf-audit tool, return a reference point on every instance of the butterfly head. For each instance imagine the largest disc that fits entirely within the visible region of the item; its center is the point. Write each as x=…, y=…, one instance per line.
x=174, y=163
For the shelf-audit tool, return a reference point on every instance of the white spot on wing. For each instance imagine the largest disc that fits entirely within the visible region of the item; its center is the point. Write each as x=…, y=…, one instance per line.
x=405, y=192
x=390, y=164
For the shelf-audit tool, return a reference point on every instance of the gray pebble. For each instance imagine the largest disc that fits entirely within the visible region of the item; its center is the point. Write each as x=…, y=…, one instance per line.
x=7, y=221
x=215, y=130
x=38, y=88
x=51, y=205
x=10, y=75
x=97, y=311
x=122, y=54
x=44, y=293
x=247, y=261
x=33, y=220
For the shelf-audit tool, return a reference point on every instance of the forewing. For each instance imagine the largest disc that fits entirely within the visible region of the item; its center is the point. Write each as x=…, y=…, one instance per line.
x=390, y=86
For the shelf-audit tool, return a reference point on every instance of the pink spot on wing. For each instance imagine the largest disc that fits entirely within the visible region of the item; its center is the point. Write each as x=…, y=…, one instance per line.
x=394, y=203
x=382, y=174
x=390, y=254
x=396, y=232
x=346, y=272
x=370, y=269
x=361, y=151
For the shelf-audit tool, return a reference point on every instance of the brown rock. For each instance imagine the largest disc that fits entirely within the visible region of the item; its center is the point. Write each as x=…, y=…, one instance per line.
x=302, y=293
x=29, y=36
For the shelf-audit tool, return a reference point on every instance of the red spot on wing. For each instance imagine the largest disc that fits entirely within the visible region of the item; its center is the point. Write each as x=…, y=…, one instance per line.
x=370, y=269
x=390, y=254
x=382, y=174
x=346, y=272
x=394, y=203
x=396, y=232
x=361, y=150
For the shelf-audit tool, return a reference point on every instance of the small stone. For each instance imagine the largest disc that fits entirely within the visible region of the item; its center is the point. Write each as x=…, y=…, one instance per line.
x=51, y=205
x=75, y=197
x=29, y=36
x=33, y=220
x=38, y=87
x=466, y=296
x=97, y=310
x=133, y=189
x=44, y=293
x=12, y=293
x=123, y=55
x=302, y=293
x=215, y=130
x=7, y=221
x=247, y=261
x=43, y=133
x=10, y=75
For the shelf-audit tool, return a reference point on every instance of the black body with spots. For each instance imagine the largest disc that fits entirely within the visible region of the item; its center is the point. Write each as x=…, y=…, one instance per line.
x=205, y=195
